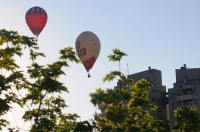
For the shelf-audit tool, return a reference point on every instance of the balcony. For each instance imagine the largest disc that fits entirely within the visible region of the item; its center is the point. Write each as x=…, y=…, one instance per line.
x=187, y=86
x=186, y=97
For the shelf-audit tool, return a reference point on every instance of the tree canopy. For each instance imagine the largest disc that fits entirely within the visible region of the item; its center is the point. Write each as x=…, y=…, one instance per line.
x=127, y=108
x=42, y=96
x=124, y=108
x=187, y=119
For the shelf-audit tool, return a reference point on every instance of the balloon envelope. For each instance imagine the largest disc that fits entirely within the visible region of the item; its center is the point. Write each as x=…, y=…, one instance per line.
x=88, y=47
x=36, y=19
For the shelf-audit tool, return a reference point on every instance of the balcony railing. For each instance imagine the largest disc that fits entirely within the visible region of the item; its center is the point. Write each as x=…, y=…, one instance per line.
x=187, y=86
x=186, y=97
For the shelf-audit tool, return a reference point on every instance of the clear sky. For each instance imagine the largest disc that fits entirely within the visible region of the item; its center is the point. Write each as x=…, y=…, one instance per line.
x=163, y=34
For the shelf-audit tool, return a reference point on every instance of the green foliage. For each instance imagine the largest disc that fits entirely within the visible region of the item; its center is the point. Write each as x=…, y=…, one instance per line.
x=126, y=107
x=113, y=75
x=187, y=119
x=117, y=55
x=67, y=122
x=11, y=45
x=83, y=126
x=43, y=88
x=123, y=109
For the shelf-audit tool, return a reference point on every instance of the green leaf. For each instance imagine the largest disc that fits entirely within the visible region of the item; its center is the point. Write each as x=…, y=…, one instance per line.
x=117, y=55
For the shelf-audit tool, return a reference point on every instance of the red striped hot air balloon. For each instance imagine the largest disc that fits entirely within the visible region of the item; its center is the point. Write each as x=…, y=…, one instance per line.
x=88, y=48
x=36, y=19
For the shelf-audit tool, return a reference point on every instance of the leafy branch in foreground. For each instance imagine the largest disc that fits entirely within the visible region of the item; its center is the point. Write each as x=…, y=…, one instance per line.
x=187, y=119
x=11, y=78
x=40, y=85
x=44, y=94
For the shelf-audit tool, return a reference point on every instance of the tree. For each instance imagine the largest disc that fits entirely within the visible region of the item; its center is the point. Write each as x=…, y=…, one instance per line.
x=83, y=126
x=187, y=119
x=11, y=78
x=125, y=109
x=41, y=85
x=43, y=92
x=116, y=56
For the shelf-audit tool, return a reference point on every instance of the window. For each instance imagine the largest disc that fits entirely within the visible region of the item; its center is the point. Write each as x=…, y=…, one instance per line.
x=158, y=100
x=195, y=101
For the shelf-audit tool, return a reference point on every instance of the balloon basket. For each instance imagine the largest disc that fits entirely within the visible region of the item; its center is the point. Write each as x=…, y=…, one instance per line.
x=89, y=75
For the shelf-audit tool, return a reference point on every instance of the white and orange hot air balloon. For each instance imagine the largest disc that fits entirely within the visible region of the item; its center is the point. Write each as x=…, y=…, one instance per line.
x=88, y=48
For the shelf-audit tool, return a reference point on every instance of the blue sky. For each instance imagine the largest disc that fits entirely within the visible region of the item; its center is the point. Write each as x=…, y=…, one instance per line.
x=163, y=34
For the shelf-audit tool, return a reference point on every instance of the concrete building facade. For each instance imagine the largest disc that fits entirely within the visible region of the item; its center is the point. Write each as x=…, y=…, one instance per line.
x=158, y=94
x=185, y=91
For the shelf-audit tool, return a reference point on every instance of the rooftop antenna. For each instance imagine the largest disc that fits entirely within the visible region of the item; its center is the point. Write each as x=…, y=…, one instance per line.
x=127, y=69
x=119, y=66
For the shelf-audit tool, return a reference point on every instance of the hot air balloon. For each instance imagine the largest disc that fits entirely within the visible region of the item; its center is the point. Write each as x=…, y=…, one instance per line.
x=88, y=47
x=36, y=19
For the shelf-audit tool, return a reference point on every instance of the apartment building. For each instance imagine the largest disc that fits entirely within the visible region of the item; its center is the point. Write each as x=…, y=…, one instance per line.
x=185, y=91
x=158, y=94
